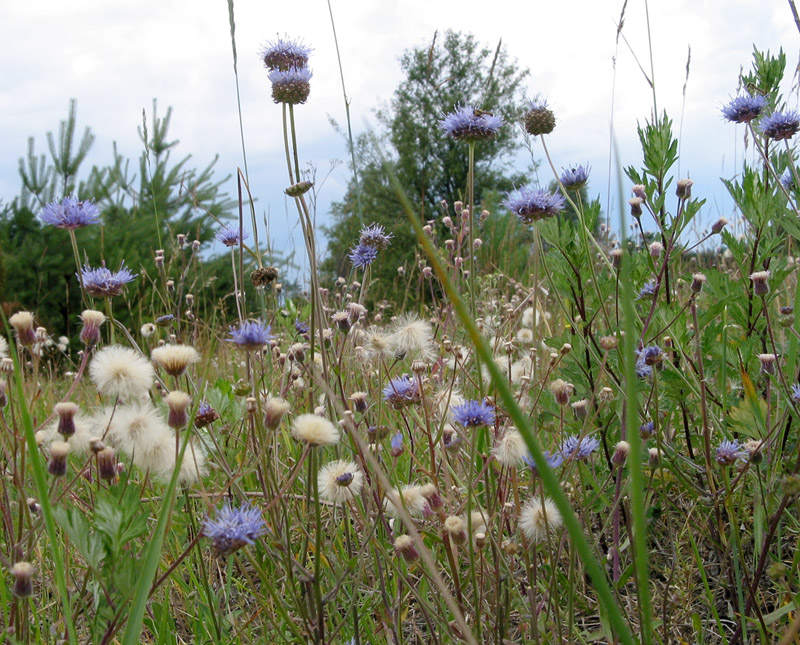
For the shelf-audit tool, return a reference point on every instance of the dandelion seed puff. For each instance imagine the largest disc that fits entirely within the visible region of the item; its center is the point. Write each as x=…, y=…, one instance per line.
x=315, y=430
x=123, y=372
x=409, y=497
x=536, y=519
x=528, y=317
x=478, y=519
x=520, y=369
x=376, y=343
x=340, y=481
x=412, y=338
x=511, y=450
x=147, y=330
x=174, y=359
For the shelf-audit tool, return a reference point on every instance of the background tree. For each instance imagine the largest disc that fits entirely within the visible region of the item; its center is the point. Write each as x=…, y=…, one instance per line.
x=449, y=72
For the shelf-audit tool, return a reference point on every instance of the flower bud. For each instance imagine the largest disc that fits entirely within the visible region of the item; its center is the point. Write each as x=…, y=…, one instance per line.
x=107, y=464
x=22, y=322
x=562, y=390
x=274, y=411
x=92, y=320
x=636, y=206
x=57, y=466
x=719, y=225
x=621, y=451
x=66, y=418
x=638, y=191
x=23, y=579
x=456, y=529
x=404, y=545
x=359, y=400
x=760, y=282
x=684, y=188
x=177, y=402
x=698, y=280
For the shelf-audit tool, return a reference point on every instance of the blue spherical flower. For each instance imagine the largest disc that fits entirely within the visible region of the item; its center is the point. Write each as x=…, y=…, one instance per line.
x=471, y=414
x=530, y=205
x=780, y=125
x=796, y=392
x=165, y=320
x=70, y=214
x=230, y=236
x=103, y=283
x=396, y=444
x=363, y=255
x=232, y=528
x=401, y=391
x=284, y=54
x=554, y=460
x=646, y=358
x=290, y=85
x=205, y=415
x=250, y=335
x=469, y=124
x=728, y=452
x=648, y=290
x=300, y=327
x=647, y=430
x=574, y=178
x=578, y=448
x=744, y=109
x=375, y=235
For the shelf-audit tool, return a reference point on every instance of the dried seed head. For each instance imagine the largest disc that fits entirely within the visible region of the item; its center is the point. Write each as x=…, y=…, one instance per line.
x=621, y=451
x=23, y=579
x=57, y=466
x=404, y=545
x=66, y=411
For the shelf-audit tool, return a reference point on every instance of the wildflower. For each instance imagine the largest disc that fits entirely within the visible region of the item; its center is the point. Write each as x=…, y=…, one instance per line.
x=103, y=283
x=174, y=359
x=719, y=225
x=250, y=335
x=404, y=545
x=456, y=529
x=396, y=444
x=315, y=430
x=165, y=320
x=301, y=327
x=232, y=528
x=575, y=178
x=22, y=322
x=744, y=109
x=70, y=214
x=340, y=481
x=342, y=320
x=121, y=372
x=561, y=390
x=290, y=85
x=401, y=391
x=205, y=415
x=648, y=290
x=92, y=320
x=57, y=466
x=698, y=280
x=469, y=124
x=647, y=430
x=66, y=411
x=359, y=400
x=638, y=190
x=107, y=463
x=23, y=578
x=375, y=235
x=796, y=392
x=653, y=457
x=760, y=281
x=531, y=205
x=636, y=206
x=554, y=460
x=578, y=448
x=768, y=363
x=410, y=497
x=728, y=452
x=787, y=180
x=177, y=402
x=363, y=255
x=274, y=411
x=780, y=125
x=525, y=336
x=472, y=414
x=511, y=450
x=656, y=248
x=432, y=496
x=683, y=189
x=539, y=119
x=147, y=330
x=539, y=518
x=230, y=236
x=411, y=338
x=285, y=54
x=621, y=451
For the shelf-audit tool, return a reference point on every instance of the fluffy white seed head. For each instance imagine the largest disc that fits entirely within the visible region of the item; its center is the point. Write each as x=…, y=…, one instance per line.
x=537, y=519
x=315, y=430
x=340, y=481
x=174, y=359
x=412, y=338
x=511, y=449
x=123, y=372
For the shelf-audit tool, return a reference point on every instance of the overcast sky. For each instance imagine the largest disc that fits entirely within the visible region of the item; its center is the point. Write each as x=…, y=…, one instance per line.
x=115, y=56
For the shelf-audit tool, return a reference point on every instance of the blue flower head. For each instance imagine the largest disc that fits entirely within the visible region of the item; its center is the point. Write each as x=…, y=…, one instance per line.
x=554, y=460
x=469, y=124
x=290, y=85
x=531, y=205
x=166, y=319
x=578, y=448
x=301, y=328
x=471, y=414
x=232, y=528
x=728, y=452
x=251, y=334
x=103, y=283
x=363, y=255
x=744, y=109
x=780, y=125
x=646, y=358
x=796, y=392
x=647, y=430
x=70, y=214
x=375, y=235
x=284, y=54
x=230, y=236
x=787, y=180
x=648, y=290
x=574, y=178
x=205, y=415
x=401, y=391
x=397, y=444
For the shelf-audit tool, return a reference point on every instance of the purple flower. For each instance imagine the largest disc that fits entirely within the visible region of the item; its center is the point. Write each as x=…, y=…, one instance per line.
x=647, y=430
x=375, y=235
x=205, y=415
x=796, y=392
x=531, y=205
x=397, y=444
x=728, y=452
x=554, y=460
x=232, y=528
x=471, y=414
x=401, y=391
x=469, y=124
x=648, y=290
x=363, y=255
x=646, y=358
x=576, y=177
x=230, y=236
x=301, y=328
x=164, y=320
x=103, y=283
x=577, y=448
x=787, y=180
x=744, y=109
x=780, y=125
x=70, y=214
x=290, y=85
x=283, y=54
x=250, y=335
